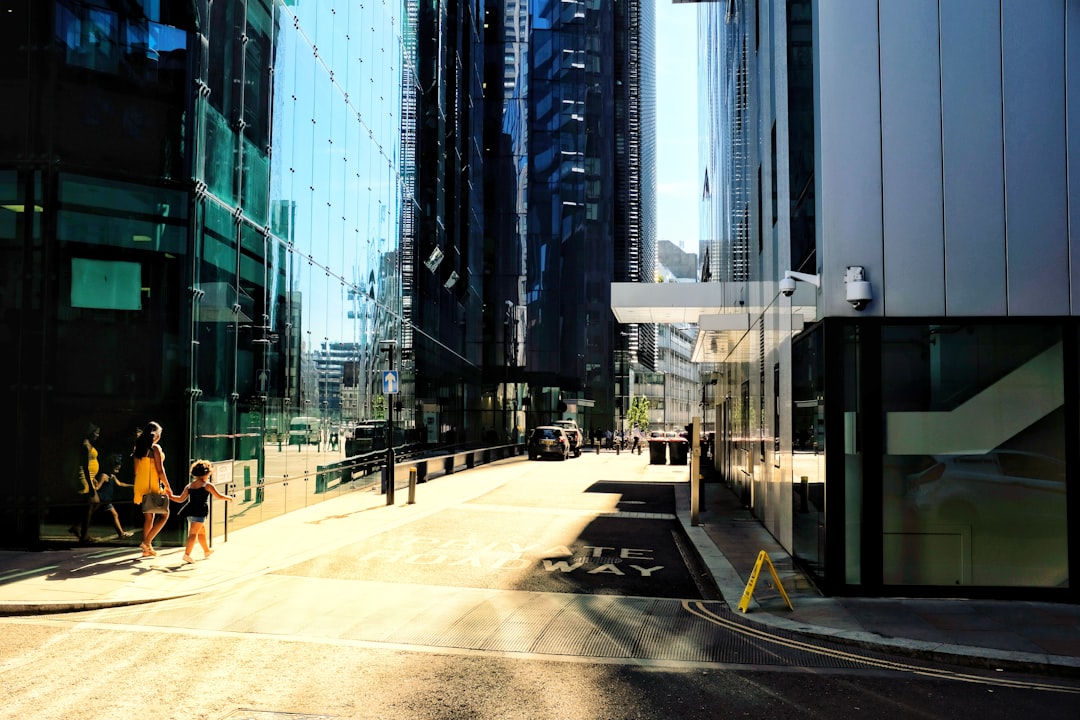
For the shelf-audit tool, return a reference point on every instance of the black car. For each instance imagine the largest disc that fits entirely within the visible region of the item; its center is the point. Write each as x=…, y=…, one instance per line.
x=548, y=441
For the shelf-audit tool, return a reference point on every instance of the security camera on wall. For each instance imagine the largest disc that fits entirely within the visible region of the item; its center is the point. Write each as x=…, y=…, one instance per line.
x=859, y=293
x=787, y=284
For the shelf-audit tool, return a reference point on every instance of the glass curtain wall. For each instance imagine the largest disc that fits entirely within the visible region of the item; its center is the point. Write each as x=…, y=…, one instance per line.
x=94, y=214
x=214, y=244
x=973, y=470
x=296, y=268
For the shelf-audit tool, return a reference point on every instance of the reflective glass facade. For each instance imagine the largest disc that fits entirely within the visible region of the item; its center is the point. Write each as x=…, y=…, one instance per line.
x=577, y=142
x=202, y=222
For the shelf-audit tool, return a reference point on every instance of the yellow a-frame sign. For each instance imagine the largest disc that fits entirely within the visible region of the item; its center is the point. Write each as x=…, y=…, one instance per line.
x=762, y=557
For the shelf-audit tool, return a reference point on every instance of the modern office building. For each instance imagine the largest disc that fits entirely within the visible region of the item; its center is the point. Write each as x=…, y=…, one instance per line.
x=444, y=271
x=196, y=200
x=572, y=202
x=890, y=213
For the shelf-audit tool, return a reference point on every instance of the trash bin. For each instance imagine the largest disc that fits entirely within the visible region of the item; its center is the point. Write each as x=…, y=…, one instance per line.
x=657, y=452
x=677, y=449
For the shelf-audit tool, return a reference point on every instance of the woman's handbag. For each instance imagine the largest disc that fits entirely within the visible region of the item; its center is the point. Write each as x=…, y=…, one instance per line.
x=155, y=503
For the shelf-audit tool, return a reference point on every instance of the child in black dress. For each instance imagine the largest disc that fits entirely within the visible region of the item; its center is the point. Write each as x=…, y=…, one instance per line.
x=198, y=493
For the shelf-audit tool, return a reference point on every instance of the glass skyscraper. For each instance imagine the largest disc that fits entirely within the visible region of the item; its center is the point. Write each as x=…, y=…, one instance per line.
x=202, y=214
x=577, y=141
x=234, y=217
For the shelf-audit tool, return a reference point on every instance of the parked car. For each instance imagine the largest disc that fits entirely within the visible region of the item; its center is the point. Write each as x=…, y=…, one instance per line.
x=548, y=440
x=573, y=435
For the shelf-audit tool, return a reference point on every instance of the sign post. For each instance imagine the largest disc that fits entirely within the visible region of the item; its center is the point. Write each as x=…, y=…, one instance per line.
x=695, y=472
x=390, y=388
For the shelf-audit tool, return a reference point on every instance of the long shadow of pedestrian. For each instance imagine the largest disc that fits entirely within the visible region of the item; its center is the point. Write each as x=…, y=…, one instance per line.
x=134, y=565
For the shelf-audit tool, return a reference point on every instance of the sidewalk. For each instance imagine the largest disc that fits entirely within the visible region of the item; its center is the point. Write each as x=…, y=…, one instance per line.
x=1043, y=637
x=1010, y=635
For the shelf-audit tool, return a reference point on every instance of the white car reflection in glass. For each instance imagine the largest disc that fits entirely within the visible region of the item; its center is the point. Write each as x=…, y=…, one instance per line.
x=999, y=488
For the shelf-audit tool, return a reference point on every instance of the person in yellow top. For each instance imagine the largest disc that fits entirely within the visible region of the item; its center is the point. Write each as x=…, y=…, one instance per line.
x=88, y=471
x=150, y=476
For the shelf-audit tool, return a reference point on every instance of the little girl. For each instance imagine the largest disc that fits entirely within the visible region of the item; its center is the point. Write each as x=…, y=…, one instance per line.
x=198, y=493
x=105, y=484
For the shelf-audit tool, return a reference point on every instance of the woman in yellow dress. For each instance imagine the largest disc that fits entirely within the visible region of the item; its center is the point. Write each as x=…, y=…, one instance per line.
x=150, y=475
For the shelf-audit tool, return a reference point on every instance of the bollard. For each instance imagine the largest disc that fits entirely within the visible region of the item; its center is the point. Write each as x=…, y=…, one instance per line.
x=804, y=504
x=412, y=486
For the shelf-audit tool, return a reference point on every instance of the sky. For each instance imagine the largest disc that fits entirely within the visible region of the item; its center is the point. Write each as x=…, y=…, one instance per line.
x=677, y=186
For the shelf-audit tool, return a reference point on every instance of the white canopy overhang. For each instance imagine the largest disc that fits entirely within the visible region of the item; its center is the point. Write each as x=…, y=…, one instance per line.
x=720, y=310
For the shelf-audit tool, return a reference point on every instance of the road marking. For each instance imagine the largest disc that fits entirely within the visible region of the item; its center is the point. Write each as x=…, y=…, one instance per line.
x=574, y=512
x=700, y=610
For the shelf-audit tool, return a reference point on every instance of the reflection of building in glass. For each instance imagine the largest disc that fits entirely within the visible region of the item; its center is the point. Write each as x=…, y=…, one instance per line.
x=136, y=149
x=571, y=204
x=918, y=442
x=673, y=390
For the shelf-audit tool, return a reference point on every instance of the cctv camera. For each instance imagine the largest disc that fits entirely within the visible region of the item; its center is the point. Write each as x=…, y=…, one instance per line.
x=787, y=287
x=859, y=303
x=859, y=293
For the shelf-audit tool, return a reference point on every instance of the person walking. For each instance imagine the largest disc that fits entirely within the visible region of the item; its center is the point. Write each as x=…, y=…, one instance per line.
x=150, y=477
x=87, y=472
x=197, y=493
x=105, y=484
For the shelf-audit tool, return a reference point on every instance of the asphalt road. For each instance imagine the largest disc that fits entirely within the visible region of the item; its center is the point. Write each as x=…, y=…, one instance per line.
x=544, y=532
x=561, y=593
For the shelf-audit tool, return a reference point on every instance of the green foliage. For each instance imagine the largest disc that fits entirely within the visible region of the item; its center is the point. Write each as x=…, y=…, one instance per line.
x=638, y=414
x=378, y=407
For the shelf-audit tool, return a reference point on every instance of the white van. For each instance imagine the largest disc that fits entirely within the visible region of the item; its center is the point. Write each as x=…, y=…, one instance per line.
x=304, y=431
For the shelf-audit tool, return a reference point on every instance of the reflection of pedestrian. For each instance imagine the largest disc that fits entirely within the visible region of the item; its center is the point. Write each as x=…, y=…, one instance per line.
x=198, y=493
x=87, y=472
x=150, y=477
x=106, y=484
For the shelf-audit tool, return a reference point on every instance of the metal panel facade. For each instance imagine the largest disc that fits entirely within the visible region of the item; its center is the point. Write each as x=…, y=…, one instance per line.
x=914, y=282
x=848, y=164
x=972, y=154
x=1033, y=37
x=1072, y=99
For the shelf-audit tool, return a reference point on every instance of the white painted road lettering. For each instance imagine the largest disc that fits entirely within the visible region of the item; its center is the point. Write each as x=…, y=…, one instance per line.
x=505, y=555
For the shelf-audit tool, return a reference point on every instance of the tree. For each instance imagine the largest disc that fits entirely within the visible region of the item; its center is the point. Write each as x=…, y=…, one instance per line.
x=638, y=414
x=378, y=407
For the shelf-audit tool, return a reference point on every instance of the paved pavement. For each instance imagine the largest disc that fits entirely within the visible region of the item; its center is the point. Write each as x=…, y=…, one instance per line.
x=1043, y=637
